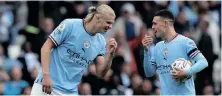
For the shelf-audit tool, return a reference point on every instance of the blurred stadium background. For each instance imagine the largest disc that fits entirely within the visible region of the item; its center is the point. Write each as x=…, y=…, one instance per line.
x=25, y=25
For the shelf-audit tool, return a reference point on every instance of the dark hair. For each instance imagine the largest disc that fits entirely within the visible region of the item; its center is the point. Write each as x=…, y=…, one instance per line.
x=165, y=14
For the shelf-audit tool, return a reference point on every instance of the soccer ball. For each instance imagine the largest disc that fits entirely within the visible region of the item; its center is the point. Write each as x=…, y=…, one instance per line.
x=182, y=64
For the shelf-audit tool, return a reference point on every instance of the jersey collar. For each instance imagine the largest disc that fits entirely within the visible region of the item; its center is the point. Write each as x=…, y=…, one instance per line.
x=172, y=39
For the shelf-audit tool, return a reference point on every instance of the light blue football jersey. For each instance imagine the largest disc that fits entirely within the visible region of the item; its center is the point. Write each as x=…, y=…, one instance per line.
x=75, y=50
x=164, y=54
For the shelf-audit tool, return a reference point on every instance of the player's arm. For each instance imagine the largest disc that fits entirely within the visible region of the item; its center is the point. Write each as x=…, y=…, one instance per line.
x=199, y=61
x=57, y=37
x=148, y=63
x=103, y=62
x=199, y=64
x=45, y=55
x=45, y=60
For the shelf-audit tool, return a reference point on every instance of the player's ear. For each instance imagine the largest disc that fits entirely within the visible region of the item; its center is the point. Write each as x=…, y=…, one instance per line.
x=97, y=16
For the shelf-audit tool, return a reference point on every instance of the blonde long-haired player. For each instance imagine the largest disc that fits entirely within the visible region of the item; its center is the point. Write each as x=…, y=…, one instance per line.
x=71, y=47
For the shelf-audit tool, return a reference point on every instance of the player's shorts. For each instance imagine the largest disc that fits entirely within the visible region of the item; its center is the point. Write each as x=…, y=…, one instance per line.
x=37, y=90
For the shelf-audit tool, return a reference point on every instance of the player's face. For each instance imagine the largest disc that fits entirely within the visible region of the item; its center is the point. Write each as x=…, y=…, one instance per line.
x=158, y=27
x=105, y=23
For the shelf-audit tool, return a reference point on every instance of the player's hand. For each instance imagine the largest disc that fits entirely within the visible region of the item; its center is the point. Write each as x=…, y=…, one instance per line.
x=179, y=74
x=46, y=84
x=111, y=46
x=147, y=41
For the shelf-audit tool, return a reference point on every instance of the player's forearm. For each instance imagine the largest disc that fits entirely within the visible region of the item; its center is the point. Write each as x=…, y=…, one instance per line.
x=104, y=68
x=149, y=69
x=200, y=64
x=45, y=59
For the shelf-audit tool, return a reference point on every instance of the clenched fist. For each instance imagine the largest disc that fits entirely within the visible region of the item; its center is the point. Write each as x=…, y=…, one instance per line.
x=111, y=46
x=46, y=84
x=147, y=41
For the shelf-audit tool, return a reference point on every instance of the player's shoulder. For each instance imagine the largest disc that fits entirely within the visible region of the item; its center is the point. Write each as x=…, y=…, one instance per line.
x=72, y=21
x=187, y=42
x=184, y=39
x=159, y=43
x=180, y=38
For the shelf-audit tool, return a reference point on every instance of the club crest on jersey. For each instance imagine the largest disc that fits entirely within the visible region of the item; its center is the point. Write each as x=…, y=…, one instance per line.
x=61, y=27
x=86, y=44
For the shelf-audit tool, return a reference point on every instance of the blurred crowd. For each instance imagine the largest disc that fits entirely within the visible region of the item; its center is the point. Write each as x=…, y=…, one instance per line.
x=25, y=25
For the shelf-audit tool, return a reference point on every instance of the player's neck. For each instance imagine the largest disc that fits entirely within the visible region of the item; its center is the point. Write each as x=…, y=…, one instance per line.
x=89, y=28
x=171, y=34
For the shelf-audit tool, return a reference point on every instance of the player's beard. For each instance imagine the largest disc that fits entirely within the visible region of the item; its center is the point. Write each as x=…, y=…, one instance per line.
x=105, y=29
x=161, y=34
x=157, y=34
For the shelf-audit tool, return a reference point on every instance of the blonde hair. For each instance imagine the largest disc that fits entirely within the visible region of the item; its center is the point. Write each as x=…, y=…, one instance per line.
x=100, y=10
